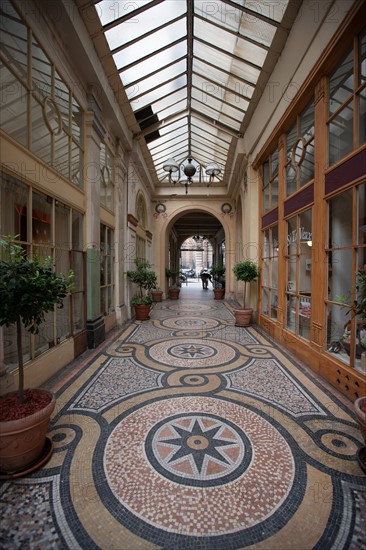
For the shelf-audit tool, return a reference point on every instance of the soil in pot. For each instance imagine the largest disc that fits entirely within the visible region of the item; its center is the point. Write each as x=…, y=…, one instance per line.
x=23, y=439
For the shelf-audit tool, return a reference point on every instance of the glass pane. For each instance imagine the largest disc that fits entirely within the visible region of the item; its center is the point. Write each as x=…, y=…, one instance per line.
x=265, y=173
x=41, y=136
x=361, y=212
x=62, y=220
x=13, y=107
x=266, y=244
x=340, y=135
x=62, y=260
x=41, y=219
x=10, y=347
x=61, y=155
x=13, y=40
x=265, y=272
x=362, y=61
x=340, y=277
x=291, y=139
x=62, y=98
x=274, y=164
x=63, y=322
x=275, y=241
x=274, y=304
x=41, y=72
x=362, y=117
x=304, y=317
x=265, y=308
x=307, y=122
x=341, y=83
x=266, y=199
x=44, y=340
x=338, y=335
x=78, y=312
x=76, y=165
x=274, y=273
x=274, y=193
x=77, y=121
x=291, y=313
x=307, y=165
x=291, y=274
x=290, y=180
x=14, y=207
x=292, y=236
x=340, y=220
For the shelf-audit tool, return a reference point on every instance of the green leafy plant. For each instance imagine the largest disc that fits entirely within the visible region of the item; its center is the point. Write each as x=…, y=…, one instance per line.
x=218, y=275
x=145, y=279
x=246, y=271
x=172, y=275
x=29, y=288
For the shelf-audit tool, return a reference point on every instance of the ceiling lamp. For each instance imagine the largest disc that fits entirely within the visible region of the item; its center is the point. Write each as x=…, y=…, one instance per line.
x=189, y=170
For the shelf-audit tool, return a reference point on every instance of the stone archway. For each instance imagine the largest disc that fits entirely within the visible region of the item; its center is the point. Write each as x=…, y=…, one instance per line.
x=166, y=235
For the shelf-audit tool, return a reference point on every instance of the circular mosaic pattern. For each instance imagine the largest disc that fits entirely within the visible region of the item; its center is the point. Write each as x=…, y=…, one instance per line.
x=192, y=354
x=339, y=444
x=137, y=460
x=195, y=380
x=194, y=323
x=194, y=306
x=188, y=448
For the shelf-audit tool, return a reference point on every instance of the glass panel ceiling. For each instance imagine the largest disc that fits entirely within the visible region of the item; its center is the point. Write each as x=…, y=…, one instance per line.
x=190, y=69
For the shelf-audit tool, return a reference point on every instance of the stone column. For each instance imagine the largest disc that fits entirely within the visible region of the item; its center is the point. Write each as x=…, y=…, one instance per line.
x=94, y=134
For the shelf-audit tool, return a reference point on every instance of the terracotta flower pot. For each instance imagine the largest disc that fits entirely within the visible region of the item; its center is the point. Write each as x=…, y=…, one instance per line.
x=142, y=312
x=174, y=293
x=243, y=317
x=157, y=295
x=22, y=441
x=219, y=293
x=361, y=415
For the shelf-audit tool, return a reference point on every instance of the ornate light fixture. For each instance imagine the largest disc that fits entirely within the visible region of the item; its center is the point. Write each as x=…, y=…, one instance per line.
x=189, y=170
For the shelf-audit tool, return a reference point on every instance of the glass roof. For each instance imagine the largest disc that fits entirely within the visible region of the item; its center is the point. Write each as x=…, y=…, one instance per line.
x=190, y=69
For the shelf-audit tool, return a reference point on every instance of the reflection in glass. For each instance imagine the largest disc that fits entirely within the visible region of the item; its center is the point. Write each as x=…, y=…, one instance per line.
x=340, y=134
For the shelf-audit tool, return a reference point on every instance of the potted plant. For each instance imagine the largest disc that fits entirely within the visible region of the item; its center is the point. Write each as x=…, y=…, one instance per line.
x=246, y=271
x=174, y=289
x=157, y=294
x=146, y=280
x=29, y=288
x=218, y=275
x=359, y=309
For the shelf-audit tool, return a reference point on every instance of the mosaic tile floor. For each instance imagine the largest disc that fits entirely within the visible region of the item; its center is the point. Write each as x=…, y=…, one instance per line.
x=187, y=432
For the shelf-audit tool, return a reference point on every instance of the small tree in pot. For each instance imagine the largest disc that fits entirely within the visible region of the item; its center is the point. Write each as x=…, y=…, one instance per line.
x=174, y=289
x=29, y=288
x=246, y=271
x=218, y=275
x=146, y=280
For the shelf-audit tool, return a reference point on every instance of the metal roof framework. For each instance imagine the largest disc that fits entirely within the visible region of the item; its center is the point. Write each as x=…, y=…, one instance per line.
x=193, y=72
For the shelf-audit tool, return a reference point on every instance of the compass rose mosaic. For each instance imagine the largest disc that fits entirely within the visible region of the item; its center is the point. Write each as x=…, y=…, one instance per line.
x=198, y=447
x=192, y=353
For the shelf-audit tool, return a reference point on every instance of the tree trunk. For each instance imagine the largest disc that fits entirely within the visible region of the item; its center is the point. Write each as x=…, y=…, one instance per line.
x=20, y=361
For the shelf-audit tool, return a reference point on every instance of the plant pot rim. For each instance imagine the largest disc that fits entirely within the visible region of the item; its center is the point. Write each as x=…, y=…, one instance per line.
x=7, y=426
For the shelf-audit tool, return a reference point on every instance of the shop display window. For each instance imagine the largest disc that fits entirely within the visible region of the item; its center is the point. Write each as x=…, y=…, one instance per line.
x=269, y=275
x=347, y=100
x=270, y=182
x=45, y=227
x=346, y=255
x=299, y=166
x=299, y=274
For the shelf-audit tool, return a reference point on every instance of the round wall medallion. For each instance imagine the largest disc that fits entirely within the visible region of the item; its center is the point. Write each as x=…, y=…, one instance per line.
x=226, y=208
